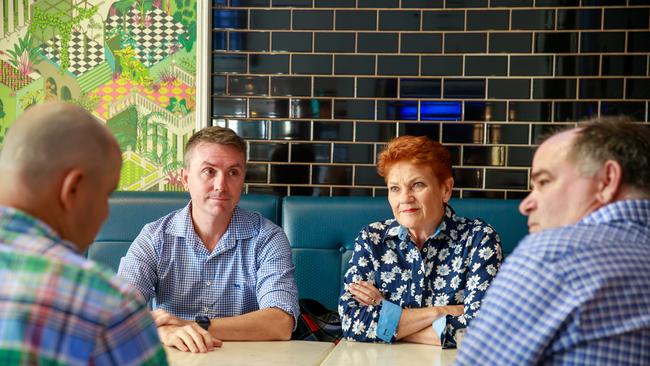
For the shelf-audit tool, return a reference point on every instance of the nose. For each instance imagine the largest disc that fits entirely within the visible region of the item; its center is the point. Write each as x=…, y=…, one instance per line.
x=405, y=196
x=527, y=205
x=219, y=182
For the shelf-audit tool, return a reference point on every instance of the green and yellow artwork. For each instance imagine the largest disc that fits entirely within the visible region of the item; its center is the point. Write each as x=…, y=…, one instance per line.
x=132, y=63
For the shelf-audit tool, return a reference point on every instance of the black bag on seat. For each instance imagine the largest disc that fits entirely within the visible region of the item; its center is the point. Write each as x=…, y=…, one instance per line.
x=317, y=323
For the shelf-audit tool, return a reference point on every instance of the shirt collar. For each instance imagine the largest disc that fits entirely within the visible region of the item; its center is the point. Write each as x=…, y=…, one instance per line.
x=447, y=223
x=635, y=210
x=240, y=227
x=14, y=223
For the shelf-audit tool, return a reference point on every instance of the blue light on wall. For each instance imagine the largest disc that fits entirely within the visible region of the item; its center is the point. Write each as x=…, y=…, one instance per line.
x=440, y=111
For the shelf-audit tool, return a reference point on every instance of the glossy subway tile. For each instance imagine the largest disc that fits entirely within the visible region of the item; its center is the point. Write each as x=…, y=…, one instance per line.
x=337, y=42
x=313, y=19
x=290, y=130
x=311, y=153
x=332, y=174
x=538, y=65
x=403, y=20
x=420, y=88
x=333, y=131
x=268, y=107
x=484, y=111
x=375, y=131
x=353, y=153
x=248, y=85
x=311, y=108
x=377, y=87
x=268, y=151
x=488, y=19
x=574, y=111
x=334, y=86
x=248, y=41
x=522, y=111
x=289, y=174
x=428, y=129
x=421, y=43
x=444, y=20
x=441, y=65
x=291, y=86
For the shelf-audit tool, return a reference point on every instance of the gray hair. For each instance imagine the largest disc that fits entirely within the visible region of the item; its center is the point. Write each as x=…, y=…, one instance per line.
x=614, y=138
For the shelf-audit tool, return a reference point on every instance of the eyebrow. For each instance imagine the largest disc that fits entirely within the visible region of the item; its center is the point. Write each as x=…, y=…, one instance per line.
x=207, y=163
x=535, y=175
x=419, y=177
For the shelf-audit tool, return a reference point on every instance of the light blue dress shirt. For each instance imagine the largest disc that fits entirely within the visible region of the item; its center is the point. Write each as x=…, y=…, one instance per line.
x=249, y=269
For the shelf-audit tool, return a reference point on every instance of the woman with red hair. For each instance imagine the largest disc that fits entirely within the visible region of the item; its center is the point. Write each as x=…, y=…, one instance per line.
x=420, y=276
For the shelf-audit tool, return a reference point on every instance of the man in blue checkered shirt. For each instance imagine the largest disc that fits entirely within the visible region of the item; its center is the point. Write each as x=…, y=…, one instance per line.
x=215, y=271
x=577, y=290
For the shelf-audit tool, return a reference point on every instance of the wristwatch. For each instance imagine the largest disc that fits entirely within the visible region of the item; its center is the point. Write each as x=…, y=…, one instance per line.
x=203, y=321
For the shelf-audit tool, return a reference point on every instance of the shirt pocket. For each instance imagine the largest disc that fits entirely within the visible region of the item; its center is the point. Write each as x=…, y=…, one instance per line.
x=238, y=297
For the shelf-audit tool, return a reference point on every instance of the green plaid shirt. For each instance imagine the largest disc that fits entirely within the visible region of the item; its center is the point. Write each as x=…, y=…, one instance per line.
x=58, y=308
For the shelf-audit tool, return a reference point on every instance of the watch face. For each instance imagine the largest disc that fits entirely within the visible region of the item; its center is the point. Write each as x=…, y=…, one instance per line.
x=203, y=321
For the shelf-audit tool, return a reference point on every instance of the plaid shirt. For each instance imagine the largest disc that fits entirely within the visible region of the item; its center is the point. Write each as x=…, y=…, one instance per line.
x=576, y=295
x=56, y=307
x=249, y=269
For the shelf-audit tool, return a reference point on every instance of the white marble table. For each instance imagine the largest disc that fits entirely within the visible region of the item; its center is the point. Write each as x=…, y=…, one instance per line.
x=255, y=353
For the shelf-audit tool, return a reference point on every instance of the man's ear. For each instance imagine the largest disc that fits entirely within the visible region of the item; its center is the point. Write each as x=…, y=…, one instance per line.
x=70, y=188
x=184, y=176
x=609, y=179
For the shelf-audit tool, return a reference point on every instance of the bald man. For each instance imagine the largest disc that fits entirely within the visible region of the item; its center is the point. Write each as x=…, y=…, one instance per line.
x=577, y=290
x=58, y=167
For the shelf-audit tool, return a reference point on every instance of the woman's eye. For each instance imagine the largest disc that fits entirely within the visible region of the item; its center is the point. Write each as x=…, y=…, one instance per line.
x=393, y=189
x=418, y=185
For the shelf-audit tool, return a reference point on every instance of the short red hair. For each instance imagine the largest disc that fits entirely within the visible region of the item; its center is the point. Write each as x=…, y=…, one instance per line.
x=418, y=150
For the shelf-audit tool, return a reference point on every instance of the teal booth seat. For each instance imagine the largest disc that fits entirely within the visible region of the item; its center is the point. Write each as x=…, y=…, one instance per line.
x=322, y=231
x=130, y=211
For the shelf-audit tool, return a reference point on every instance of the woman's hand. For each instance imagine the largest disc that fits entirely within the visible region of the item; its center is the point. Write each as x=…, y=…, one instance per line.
x=365, y=293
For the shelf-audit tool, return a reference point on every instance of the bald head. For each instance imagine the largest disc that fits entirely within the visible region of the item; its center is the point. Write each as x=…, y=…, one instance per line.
x=59, y=164
x=53, y=137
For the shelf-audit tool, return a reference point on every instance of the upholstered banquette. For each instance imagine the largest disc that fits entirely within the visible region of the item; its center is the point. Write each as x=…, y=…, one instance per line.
x=321, y=230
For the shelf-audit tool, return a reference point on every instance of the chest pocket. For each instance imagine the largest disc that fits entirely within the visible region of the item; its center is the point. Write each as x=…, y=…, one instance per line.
x=236, y=297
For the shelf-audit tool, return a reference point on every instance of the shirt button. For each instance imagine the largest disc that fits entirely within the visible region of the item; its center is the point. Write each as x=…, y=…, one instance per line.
x=205, y=309
x=424, y=250
x=420, y=272
x=208, y=283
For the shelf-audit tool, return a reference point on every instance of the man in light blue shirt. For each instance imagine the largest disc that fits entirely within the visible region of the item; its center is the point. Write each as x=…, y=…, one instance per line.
x=577, y=290
x=214, y=270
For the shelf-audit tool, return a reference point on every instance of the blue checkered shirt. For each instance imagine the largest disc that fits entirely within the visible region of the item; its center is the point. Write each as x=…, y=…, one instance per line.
x=576, y=295
x=249, y=269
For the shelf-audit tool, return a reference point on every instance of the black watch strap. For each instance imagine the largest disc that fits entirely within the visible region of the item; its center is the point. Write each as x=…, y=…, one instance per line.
x=203, y=321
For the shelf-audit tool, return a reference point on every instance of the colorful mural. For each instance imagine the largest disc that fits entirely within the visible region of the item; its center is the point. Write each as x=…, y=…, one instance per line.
x=132, y=63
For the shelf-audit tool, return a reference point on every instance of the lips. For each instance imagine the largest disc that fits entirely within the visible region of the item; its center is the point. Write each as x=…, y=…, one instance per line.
x=410, y=210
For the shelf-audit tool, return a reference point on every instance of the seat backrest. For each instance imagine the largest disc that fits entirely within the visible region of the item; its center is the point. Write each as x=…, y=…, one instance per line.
x=322, y=231
x=503, y=215
x=130, y=211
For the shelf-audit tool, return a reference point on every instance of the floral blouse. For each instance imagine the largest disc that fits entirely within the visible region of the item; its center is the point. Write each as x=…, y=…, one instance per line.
x=455, y=266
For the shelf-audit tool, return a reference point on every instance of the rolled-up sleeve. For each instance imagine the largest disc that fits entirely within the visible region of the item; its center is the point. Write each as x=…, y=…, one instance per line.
x=276, y=283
